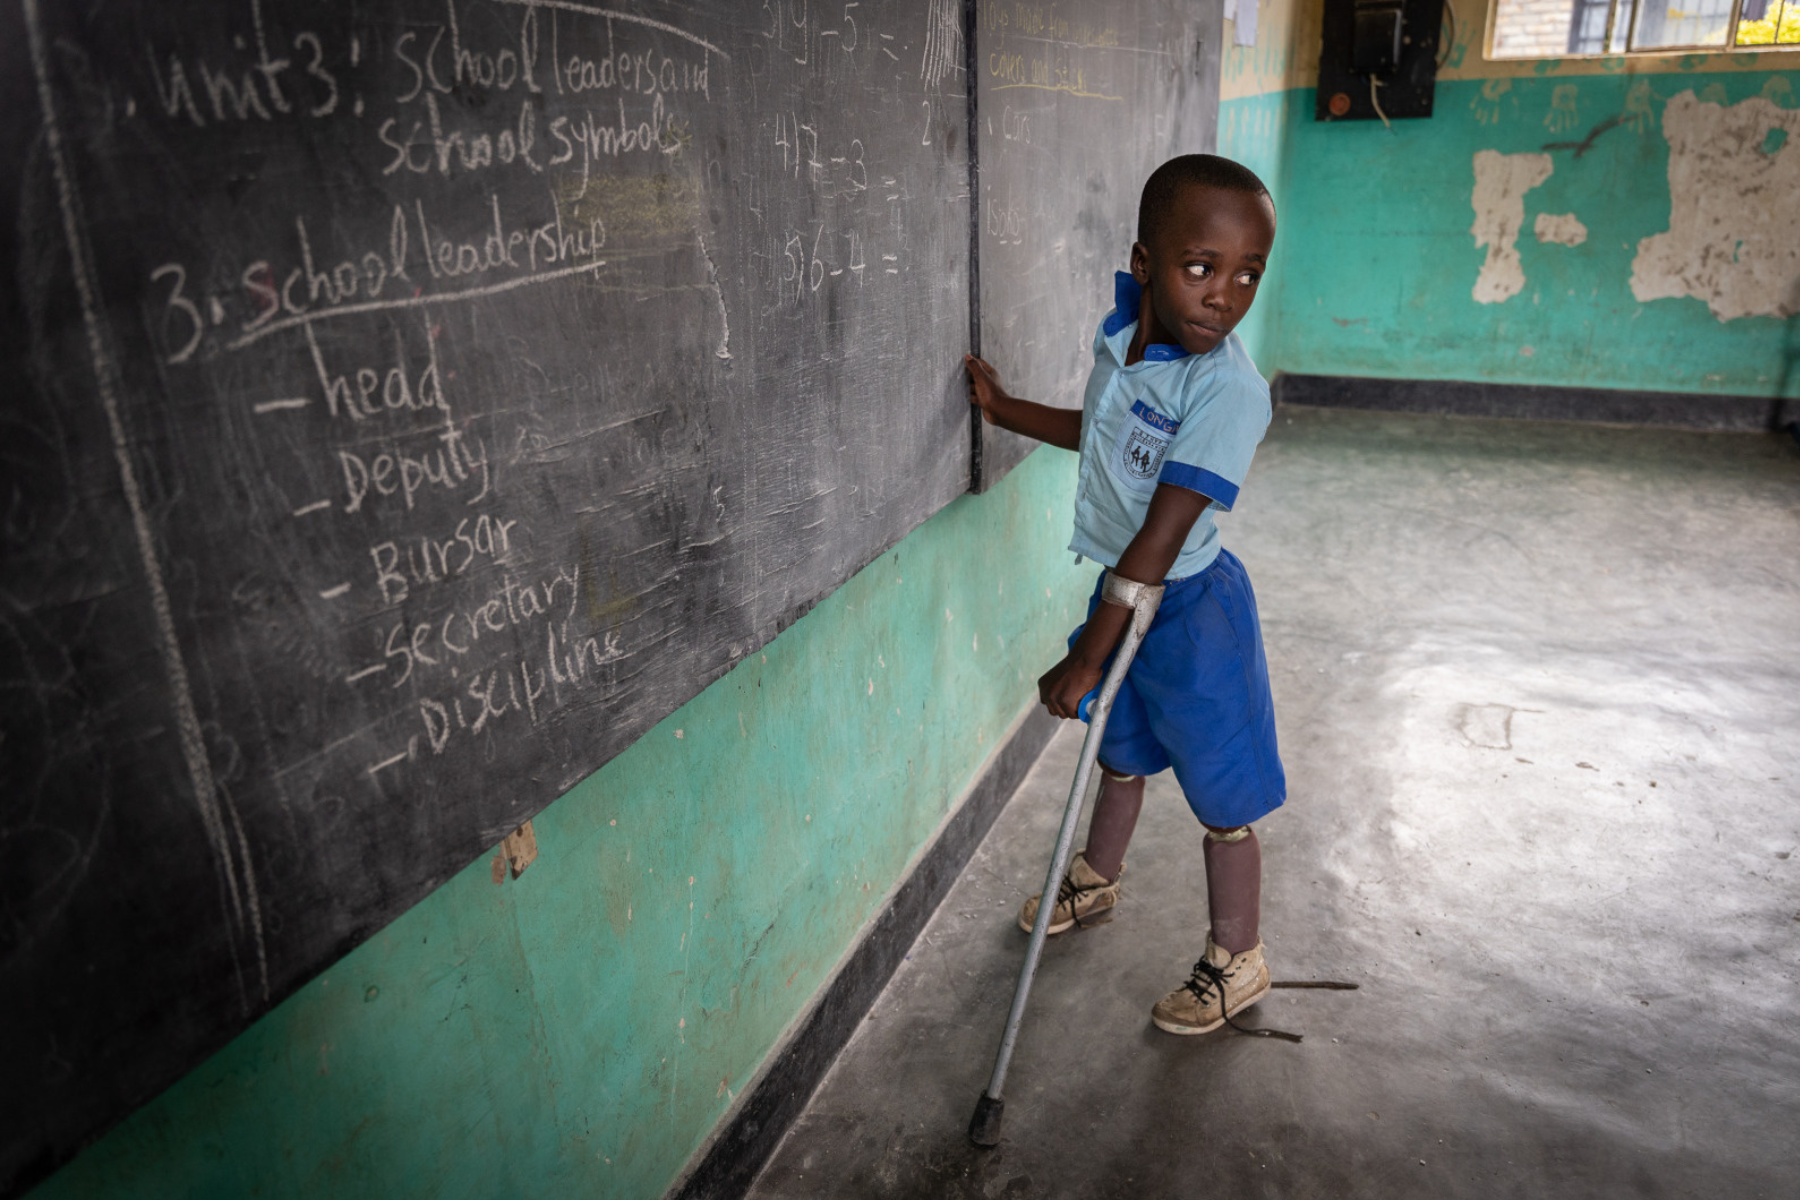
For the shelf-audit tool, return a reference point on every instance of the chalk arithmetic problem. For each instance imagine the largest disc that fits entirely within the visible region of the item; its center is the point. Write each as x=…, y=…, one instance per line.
x=431, y=396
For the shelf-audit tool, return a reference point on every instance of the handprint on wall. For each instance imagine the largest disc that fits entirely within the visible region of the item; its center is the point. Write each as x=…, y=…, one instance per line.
x=1486, y=106
x=1562, y=115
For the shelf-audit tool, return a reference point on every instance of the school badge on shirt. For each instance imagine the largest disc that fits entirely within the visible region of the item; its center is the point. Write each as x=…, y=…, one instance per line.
x=1138, y=454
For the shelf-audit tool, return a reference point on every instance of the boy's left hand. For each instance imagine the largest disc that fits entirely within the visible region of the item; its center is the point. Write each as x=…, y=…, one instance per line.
x=985, y=391
x=1062, y=686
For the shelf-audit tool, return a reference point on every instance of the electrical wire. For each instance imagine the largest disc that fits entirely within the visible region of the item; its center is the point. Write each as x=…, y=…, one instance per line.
x=1448, y=47
x=1376, y=100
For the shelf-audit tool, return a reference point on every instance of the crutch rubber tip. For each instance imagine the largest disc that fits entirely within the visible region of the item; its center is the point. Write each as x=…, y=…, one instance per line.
x=984, y=1126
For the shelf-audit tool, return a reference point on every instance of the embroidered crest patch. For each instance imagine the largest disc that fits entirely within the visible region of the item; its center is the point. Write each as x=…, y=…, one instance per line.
x=1144, y=454
x=1137, y=457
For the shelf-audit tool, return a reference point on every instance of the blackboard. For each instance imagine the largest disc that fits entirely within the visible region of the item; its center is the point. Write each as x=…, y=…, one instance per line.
x=1075, y=104
x=408, y=403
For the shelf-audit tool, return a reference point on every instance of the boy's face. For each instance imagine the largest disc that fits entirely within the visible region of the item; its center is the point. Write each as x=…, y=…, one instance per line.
x=1202, y=270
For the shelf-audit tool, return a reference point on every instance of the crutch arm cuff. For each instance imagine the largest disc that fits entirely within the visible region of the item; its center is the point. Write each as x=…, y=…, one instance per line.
x=1141, y=598
x=1121, y=591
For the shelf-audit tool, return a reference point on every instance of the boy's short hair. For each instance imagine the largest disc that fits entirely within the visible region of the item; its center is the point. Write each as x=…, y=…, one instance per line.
x=1191, y=170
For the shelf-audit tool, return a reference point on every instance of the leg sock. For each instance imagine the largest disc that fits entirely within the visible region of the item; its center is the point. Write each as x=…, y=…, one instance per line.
x=1115, y=816
x=1233, y=887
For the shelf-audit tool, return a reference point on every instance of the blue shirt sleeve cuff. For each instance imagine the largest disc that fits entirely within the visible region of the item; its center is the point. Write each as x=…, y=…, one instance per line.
x=1217, y=488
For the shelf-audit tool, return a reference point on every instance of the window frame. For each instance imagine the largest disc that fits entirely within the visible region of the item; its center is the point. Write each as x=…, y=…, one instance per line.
x=1632, y=9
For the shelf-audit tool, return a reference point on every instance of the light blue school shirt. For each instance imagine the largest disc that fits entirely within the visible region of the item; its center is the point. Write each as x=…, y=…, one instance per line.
x=1193, y=420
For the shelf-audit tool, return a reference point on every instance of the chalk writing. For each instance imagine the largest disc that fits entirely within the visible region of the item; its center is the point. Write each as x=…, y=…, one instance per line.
x=444, y=642
x=404, y=565
x=450, y=463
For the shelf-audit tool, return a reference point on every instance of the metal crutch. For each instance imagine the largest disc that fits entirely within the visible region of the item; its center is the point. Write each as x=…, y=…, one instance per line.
x=984, y=1127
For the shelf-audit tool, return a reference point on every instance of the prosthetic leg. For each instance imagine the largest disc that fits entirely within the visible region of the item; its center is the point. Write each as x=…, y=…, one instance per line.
x=1142, y=599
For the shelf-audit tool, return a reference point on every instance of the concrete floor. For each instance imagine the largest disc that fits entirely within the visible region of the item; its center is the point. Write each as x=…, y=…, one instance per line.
x=1539, y=699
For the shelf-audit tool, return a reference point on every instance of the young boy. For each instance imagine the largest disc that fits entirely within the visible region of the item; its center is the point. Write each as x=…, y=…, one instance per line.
x=1173, y=413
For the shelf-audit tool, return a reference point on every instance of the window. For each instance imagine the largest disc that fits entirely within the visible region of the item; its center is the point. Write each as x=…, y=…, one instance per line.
x=1559, y=28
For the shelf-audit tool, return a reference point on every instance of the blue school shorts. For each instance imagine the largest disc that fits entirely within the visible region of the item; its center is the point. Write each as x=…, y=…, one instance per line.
x=1197, y=699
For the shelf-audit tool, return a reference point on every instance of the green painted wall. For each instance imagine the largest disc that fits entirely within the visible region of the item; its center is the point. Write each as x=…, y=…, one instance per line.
x=1254, y=130
x=1375, y=260
x=580, y=1030
x=1380, y=219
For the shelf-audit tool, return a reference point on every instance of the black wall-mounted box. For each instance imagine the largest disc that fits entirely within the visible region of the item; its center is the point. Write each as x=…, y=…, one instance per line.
x=1394, y=42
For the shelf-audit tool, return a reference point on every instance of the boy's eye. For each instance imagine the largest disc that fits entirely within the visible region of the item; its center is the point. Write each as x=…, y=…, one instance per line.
x=1199, y=270
x=1249, y=278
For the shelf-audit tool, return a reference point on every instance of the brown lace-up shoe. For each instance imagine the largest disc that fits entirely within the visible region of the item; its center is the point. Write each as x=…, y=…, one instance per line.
x=1083, y=899
x=1221, y=986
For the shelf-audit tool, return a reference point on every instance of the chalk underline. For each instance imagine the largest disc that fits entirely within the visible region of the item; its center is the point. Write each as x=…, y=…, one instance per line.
x=611, y=14
x=1029, y=37
x=421, y=301
x=1048, y=87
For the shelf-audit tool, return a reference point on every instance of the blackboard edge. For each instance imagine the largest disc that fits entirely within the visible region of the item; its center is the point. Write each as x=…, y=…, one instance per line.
x=978, y=483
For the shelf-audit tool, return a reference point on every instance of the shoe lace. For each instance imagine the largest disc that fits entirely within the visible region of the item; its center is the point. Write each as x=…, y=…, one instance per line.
x=1208, y=978
x=1069, y=892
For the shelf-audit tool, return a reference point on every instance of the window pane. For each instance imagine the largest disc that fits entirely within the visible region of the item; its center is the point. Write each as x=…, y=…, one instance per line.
x=1549, y=28
x=1768, y=23
x=1667, y=23
x=1757, y=21
x=1587, y=27
x=1621, y=30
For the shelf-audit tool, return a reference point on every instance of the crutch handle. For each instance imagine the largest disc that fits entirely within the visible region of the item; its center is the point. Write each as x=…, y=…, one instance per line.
x=1087, y=703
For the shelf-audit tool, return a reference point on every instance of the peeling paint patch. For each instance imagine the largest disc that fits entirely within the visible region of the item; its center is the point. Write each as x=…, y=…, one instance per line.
x=1734, y=229
x=520, y=849
x=1562, y=229
x=1501, y=181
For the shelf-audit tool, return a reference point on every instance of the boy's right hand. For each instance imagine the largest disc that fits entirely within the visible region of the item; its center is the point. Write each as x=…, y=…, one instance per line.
x=984, y=386
x=1058, y=426
x=1062, y=688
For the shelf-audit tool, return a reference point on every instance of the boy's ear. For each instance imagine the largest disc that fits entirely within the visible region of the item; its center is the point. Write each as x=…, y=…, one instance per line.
x=1140, y=263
